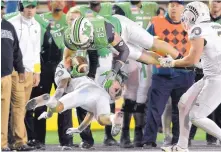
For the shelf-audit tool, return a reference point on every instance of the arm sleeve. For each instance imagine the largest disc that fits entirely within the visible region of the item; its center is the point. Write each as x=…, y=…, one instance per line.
x=124, y=51
x=110, y=32
x=37, y=67
x=17, y=55
x=93, y=62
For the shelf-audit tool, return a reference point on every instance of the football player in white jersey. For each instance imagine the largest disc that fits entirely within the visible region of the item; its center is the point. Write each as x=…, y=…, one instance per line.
x=204, y=96
x=81, y=92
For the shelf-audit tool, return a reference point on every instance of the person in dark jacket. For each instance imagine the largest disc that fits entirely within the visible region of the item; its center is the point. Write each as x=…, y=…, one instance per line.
x=11, y=56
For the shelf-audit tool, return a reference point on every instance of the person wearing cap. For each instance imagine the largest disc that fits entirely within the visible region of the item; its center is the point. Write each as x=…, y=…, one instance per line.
x=29, y=35
x=11, y=56
x=167, y=82
x=54, y=25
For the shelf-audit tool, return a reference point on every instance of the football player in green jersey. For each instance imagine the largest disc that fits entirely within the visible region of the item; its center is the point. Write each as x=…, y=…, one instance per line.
x=118, y=32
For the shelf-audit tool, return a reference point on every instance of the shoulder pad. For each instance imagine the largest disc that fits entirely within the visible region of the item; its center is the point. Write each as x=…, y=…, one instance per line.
x=195, y=32
x=61, y=73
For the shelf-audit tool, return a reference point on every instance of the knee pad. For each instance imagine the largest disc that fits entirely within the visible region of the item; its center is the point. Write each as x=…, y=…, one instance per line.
x=139, y=108
x=128, y=106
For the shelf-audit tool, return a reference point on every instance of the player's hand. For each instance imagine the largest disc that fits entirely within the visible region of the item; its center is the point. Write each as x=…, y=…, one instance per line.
x=36, y=79
x=21, y=77
x=110, y=77
x=71, y=131
x=45, y=115
x=167, y=62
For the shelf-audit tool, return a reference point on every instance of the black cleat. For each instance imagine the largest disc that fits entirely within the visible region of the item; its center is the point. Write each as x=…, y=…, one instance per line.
x=86, y=146
x=149, y=145
x=110, y=142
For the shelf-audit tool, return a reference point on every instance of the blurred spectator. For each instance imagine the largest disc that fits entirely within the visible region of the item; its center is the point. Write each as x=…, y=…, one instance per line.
x=68, y=5
x=28, y=31
x=51, y=55
x=166, y=81
x=11, y=56
x=161, y=11
x=11, y=6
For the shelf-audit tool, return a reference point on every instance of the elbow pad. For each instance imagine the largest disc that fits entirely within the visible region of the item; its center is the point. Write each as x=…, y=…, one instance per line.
x=123, y=50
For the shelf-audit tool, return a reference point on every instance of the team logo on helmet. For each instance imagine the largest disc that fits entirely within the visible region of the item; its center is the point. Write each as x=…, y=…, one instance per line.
x=82, y=33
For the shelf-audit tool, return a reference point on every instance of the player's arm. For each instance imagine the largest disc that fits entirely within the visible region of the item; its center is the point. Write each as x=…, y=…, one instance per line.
x=53, y=102
x=117, y=42
x=86, y=122
x=123, y=50
x=197, y=45
x=67, y=57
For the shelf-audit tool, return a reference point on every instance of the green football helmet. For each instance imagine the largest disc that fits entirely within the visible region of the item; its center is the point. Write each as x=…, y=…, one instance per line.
x=82, y=33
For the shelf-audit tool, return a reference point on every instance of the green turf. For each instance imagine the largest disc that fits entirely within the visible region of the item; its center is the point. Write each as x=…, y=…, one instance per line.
x=52, y=136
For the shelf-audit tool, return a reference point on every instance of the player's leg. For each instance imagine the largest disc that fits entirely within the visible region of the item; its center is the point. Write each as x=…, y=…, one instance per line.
x=86, y=135
x=108, y=138
x=185, y=104
x=166, y=123
x=145, y=74
x=37, y=101
x=130, y=96
x=104, y=116
x=205, y=104
x=133, y=33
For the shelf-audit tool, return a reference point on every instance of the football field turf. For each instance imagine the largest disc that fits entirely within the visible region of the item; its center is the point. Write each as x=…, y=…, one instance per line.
x=198, y=145
x=52, y=136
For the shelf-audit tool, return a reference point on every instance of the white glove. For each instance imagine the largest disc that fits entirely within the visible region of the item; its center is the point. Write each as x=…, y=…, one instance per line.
x=167, y=62
x=45, y=115
x=71, y=131
x=198, y=65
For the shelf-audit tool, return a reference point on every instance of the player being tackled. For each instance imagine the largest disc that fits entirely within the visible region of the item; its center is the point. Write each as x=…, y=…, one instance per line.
x=81, y=91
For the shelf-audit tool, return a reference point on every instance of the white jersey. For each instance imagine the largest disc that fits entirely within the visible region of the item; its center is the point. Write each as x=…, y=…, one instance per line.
x=75, y=83
x=83, y=92
x=211, y=55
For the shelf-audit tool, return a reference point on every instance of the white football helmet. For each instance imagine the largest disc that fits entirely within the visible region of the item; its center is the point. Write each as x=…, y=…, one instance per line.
x=82, y=33
x=194, y=13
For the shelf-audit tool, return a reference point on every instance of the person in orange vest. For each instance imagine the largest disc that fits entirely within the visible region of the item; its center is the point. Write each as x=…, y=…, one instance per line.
x=167, y=82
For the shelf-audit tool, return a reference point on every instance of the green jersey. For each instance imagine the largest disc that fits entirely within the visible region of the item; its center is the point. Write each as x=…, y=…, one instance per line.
x=106, y=9
x=57, y=28
x=142, y=15
x=101, y=34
